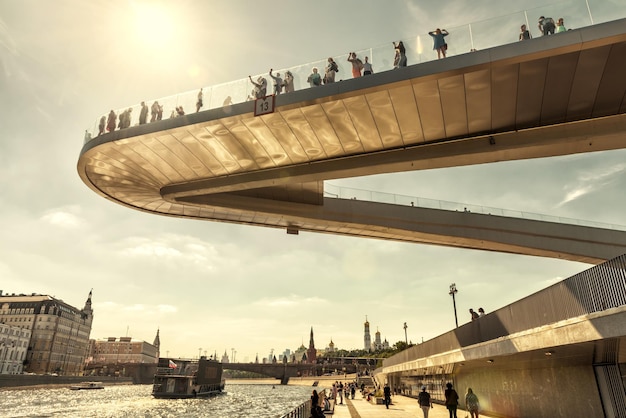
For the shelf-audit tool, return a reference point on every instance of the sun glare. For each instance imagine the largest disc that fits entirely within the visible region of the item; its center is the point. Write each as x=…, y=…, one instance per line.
x=154, y=26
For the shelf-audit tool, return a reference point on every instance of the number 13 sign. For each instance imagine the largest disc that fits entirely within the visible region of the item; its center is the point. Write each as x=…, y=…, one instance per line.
x=264, y=105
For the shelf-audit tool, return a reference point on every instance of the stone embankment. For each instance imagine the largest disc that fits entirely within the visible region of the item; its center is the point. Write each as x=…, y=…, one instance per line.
x=25, y=381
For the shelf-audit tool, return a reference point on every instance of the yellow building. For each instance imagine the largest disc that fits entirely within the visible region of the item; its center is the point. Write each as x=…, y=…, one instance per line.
x=123, y=350
x=59, y=332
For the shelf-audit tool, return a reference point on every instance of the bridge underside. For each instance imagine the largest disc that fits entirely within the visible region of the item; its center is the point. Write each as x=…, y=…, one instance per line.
x=551, y=96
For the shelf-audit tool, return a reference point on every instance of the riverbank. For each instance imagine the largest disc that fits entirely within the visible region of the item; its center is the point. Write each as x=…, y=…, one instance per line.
x=25, y=381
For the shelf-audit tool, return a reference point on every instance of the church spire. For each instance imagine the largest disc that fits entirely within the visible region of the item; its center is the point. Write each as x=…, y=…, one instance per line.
x=87, y=308
x=157, y=341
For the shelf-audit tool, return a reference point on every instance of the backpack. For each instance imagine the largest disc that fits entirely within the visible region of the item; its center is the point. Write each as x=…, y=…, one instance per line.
x=359, y=63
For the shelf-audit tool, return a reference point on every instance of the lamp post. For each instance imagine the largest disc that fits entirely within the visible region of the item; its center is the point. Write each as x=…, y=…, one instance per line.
x=453, y=292
x=406, y=339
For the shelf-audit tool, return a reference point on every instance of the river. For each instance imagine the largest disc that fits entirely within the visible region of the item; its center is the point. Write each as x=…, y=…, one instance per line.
x=240, y=400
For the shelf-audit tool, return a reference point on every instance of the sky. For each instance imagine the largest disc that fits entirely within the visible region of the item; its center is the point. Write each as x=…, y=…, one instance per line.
x=217, y=287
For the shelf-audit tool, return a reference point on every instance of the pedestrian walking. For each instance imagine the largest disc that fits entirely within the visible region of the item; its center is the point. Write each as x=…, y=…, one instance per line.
x=424, y=401
x=387, y=393
x=471, y=403
x=452, y=400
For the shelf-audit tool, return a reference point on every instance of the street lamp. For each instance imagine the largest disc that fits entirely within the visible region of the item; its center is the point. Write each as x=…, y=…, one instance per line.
x=406, y=339
x=453, y=292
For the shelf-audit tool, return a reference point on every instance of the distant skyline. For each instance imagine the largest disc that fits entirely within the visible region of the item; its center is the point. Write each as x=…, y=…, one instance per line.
x=220, y=286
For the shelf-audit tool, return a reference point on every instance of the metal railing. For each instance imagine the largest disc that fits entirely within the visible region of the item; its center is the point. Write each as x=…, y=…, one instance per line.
x=596, y=289
x=304, y=409
x=338, y=192
x=480, y=35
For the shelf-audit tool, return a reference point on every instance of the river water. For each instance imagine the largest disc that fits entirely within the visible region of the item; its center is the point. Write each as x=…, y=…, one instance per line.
x=240, y=400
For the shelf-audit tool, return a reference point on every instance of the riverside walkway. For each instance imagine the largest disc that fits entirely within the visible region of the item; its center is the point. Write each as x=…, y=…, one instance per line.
x=401, y=407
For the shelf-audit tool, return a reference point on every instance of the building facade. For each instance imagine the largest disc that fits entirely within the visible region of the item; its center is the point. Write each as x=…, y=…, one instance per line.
x=13, y=348
x=122, y=350
x=59, y=332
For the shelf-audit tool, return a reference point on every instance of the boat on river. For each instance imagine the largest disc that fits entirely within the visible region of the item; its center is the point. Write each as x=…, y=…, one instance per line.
x=179, y=379
x=87, y=386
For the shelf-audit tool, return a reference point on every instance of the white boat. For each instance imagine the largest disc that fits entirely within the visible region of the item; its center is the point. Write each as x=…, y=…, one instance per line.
x=87, y=386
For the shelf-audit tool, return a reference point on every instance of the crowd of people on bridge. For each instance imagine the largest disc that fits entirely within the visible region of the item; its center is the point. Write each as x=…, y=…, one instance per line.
x=285, y=84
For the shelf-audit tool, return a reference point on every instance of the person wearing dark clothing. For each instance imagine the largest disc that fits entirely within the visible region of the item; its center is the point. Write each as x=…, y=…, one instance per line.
x=473, y=314
x=387, y=393
x=546, y=25
x=143, y=114
x=111, y=121
x=524, y=34
x=316, y=411
x=452, y=400
x=102, y=125
x=424, y=401
x=400, y=53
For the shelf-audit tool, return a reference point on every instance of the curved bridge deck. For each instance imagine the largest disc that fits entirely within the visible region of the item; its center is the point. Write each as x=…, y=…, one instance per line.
x=550, y=96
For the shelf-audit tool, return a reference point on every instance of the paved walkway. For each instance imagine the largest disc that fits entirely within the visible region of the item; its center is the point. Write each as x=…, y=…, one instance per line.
x=402, y=407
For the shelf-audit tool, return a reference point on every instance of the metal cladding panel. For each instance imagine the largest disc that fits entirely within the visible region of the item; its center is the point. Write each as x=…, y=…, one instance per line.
x=342, y=125
x=478, y=97
x=217, y=141
x=589, y=73
x=198, y=143
x=236, y=153
x=255, y=156
x=160, y=156
x=172, y=146
x=429, y=106
x=305, y=135
x=287, y=140
x=530, y=89
x=409, y=120
x=453, y=105
x=557, y=87
x=363, y=120
x=612, y=89
x=264, y=139
x=504, y=81
x=385, y=119
x=324, y=131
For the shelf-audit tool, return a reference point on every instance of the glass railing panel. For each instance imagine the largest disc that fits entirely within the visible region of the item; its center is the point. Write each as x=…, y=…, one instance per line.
x=573, y=12
x=606, y=10
x=462, y=39
x=336, y=192
x=498, y=31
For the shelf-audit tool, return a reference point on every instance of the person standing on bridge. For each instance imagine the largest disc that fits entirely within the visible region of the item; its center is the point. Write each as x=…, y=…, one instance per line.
x=473, y=314
x=400, y=55
x=357, y=64
x=524, y=34
x=439, y=42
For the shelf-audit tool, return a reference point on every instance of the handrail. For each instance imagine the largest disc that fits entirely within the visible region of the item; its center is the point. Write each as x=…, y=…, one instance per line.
x=462, y=39
x=337, y=192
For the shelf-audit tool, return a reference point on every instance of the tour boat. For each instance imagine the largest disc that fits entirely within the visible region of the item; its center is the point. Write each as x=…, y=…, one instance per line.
x=87, y=386
x=176, y=378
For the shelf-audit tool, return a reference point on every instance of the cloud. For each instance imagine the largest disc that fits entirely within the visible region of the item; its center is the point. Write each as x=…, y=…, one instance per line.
x=64, y=217
x=593, y=181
